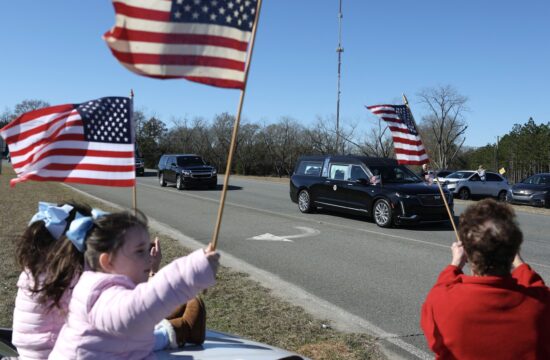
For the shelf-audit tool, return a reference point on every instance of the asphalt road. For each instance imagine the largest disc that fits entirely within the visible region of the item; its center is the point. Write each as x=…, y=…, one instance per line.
x=378, y=275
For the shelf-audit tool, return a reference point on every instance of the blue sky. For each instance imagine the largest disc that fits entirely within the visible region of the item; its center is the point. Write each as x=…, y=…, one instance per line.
x=497, y=53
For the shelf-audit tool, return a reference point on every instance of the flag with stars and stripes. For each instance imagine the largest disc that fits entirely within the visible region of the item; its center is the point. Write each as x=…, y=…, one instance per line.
x=406, y=140
x=204, y=41
x=89, y=143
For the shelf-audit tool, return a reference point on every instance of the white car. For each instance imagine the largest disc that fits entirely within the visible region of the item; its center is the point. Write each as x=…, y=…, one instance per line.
x=468, y=183
x=217, y=346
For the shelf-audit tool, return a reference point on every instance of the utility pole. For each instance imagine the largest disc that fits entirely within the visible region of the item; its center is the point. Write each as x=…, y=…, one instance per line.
x=339, y=50
x=496, y=155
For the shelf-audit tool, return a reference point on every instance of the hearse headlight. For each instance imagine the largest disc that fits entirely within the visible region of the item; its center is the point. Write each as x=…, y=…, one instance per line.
x=540, y=194
x=186, y=172
x=403, y=196
x=214, y=171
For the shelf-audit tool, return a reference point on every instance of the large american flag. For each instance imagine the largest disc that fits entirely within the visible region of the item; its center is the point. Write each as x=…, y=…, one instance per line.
x=406, y=141
x=200, y=40
x=89, y=143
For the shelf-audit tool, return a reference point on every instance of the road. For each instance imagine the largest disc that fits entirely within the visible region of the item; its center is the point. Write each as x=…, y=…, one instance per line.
x=378, y=276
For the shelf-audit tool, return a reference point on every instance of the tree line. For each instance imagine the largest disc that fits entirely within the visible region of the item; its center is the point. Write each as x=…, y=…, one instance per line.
x=524, y=151
x=273, y=149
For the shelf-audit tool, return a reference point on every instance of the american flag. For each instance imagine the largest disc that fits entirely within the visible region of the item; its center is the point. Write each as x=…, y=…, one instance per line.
x=89, y=143
x=406, y=141
x=200, y=40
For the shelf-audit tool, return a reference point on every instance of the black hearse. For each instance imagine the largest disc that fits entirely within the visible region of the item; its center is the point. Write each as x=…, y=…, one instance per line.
x=378, y=187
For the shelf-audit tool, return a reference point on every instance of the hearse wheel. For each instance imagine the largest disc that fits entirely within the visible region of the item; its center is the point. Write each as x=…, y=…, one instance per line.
x=382, y=213
x=304, y=202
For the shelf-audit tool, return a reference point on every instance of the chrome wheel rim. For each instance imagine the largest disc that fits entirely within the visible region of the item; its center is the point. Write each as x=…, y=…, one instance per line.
x=161, y=179
x=382, y=213
x=303, y=201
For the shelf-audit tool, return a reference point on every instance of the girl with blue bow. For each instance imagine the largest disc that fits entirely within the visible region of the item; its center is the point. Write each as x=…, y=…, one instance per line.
x=39, y=314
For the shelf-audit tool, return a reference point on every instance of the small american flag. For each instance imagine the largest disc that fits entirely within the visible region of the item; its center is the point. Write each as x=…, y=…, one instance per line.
x=89, y=143
x=200, y=40
x=406, y=141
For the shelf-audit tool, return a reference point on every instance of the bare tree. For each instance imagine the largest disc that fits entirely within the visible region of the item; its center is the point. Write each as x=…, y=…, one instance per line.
x=378, y=141
x=29, y=105
x=444, y=126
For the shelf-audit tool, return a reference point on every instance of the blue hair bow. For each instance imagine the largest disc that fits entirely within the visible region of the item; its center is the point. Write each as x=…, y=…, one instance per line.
x=54, y=217
x=80, y=226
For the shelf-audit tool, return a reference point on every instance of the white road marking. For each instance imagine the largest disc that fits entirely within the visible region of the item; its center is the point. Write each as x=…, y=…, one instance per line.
x=270, y=237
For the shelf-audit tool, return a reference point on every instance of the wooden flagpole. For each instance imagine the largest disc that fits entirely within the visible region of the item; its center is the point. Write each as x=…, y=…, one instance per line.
x=451, y=217
x=235, y=130
x=134, y=191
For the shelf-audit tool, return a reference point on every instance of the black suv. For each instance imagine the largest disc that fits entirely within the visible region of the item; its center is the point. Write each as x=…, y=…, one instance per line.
x=186, y=170
x=377, y=187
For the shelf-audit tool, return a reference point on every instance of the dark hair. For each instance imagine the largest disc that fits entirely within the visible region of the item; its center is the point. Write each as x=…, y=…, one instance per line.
x=107, y=235
x=36, y=241
x=491, y=237
x=59, y=263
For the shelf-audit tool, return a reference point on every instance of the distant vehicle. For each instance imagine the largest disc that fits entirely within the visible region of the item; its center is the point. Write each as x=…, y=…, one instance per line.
x=140, y=166
x=467, y=183
x=186, y=170
x=376, y=187
x=535, y=191
x=442, y=174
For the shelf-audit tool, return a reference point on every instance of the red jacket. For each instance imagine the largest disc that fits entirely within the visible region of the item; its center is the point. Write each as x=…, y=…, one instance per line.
x=488, y=317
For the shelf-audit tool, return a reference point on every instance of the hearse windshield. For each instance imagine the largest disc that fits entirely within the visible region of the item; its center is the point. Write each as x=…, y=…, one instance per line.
x=190, y=161
x=395, y=174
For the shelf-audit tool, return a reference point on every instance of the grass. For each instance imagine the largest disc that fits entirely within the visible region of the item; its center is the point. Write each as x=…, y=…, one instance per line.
x=236, y=305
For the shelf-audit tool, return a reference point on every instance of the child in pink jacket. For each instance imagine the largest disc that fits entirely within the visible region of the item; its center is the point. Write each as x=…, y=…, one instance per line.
x=114, y=309
x=37, y=316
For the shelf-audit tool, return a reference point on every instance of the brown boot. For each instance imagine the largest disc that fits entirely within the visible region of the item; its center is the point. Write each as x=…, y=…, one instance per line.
x=191, y=327
x=178, y=312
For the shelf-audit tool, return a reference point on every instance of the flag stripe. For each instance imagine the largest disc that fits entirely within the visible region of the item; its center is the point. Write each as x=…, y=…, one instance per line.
x=163, y=71
x=178, y=60
x=94, y=167
x=71, y=179
x=408, y=146
x=137, y=38
x=33, y=115
x=76, y=153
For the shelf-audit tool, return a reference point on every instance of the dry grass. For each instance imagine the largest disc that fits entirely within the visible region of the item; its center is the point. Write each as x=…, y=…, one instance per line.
x=236, y=304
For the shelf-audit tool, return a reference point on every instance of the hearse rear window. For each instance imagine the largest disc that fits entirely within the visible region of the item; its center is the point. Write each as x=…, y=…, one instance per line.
x=311, y=168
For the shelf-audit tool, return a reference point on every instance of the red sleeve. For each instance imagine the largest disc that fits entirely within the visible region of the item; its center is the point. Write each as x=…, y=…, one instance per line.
x=427, y=319
x=526, y=276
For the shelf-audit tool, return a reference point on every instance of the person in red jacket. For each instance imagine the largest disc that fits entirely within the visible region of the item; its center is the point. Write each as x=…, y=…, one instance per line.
x=500, y=311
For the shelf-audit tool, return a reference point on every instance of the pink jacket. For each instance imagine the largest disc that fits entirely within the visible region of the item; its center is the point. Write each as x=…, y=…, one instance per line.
x=35, y=327
x=112, y=318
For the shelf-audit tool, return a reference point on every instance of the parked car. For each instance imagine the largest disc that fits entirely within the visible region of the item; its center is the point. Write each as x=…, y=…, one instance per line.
x=186, y=170
x=217, y=346
x=535, y=191
x=377, y=187
x=442, y=174
x=468, y=183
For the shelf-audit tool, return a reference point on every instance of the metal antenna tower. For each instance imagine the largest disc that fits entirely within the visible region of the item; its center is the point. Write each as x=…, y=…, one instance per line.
x=339, y=50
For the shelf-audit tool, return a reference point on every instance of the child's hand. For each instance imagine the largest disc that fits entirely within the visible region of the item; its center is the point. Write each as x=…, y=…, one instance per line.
x=156, y=255
x=213, y=258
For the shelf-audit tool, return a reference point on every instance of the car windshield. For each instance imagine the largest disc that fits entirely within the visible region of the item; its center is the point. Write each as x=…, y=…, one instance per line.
x=190, y=161
x=460, y=175
x=395, y=174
